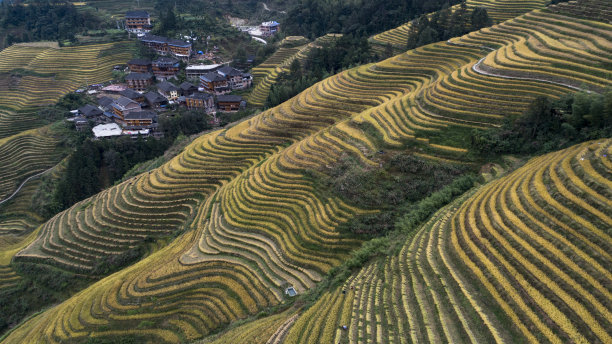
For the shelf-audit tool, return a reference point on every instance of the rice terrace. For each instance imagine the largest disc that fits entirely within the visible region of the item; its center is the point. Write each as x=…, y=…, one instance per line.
x=376, y=172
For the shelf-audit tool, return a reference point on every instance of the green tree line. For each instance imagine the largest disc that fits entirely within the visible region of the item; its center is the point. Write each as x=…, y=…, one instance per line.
x=44, y=20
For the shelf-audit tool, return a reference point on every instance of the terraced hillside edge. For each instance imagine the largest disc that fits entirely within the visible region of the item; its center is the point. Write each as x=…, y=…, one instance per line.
x=524, y=258
x=267, y=73
x=249, y=221
x=498, y=11
x=35, y=75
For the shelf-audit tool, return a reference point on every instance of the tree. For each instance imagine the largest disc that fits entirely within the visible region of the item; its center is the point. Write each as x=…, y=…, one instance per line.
x=581, y=107
x=388, y=51
x=539, y=117
x=427, y=36
x=295, y=69
x=480, y=18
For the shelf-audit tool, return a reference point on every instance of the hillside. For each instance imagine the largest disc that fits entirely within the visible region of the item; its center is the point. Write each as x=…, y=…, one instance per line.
x=37, y=75
x=524, y=258
x=267, y=73
x=498, y=11
x=249, y=219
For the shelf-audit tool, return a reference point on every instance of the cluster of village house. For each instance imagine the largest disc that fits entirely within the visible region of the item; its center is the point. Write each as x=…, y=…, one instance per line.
x=132, y=108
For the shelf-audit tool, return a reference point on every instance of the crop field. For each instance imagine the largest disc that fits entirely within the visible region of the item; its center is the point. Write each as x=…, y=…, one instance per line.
x=498, y=10
x=24, y=155
x=268, y=72
x=35, y=76
x=523, y=258
x=249, y=221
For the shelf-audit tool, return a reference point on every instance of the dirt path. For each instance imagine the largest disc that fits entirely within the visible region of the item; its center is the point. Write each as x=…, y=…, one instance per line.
x=478, y=69
x=24, y=182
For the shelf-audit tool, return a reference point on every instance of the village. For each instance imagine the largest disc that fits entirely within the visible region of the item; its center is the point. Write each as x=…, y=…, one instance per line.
x=151, y=87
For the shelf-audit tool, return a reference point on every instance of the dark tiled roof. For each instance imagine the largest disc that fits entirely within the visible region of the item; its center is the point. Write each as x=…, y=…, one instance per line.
x=137, y=14
x=178, y=43
x=229, y=98
x=165, y=61
x=140, y=115
x=124, y=102
x=212, y=76
x=169, y=41
x=153, y=38
x=90, y=110
x=227, y=70
x=186, y=86
x=105, y=101
x=154, y=97
x=202, y=96
x=167, y=86
x=139, y=62
x=139, y=76
x=131, y=94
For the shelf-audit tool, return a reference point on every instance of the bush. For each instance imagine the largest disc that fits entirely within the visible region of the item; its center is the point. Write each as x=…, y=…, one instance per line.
x=547, y=126
x=403, y=180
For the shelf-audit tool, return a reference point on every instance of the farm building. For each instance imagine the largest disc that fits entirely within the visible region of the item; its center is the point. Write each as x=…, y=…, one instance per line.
x=165, y=46
x=122, y=106
x=139, y=65
x=230, y=103
x=269, y=28
x=201, y=101
x=139, y=81
x=165, y=68
x=196, y=71
x=168, y=90
x=138, y=21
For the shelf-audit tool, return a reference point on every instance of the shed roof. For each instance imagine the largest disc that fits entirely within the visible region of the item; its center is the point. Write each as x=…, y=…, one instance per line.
x=106, y=130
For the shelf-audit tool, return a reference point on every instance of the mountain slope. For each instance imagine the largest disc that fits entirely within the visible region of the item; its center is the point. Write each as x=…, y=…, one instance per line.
x=498, y=10
x=524, y=258
x=256, y=222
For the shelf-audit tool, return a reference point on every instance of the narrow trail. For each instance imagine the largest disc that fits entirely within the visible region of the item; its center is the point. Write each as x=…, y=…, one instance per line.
x=476, y=68
x=24, y=182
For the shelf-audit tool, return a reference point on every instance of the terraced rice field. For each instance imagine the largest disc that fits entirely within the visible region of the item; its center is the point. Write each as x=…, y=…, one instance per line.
x=498, y=10
x=249, y=221
x=48, y=73
x=267, y=73
x=523, y=258
x=397, y=37
x=26, y=154
x=33, y=75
